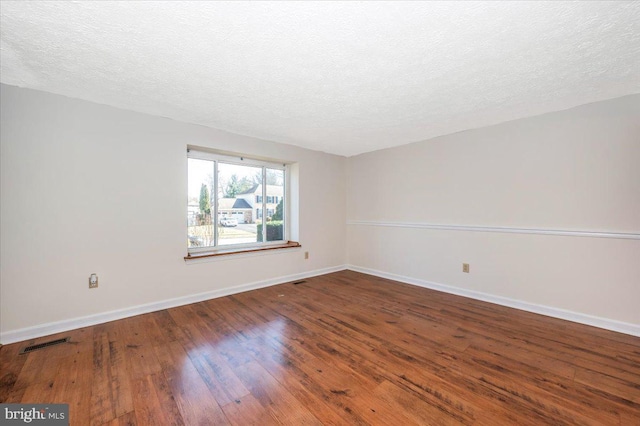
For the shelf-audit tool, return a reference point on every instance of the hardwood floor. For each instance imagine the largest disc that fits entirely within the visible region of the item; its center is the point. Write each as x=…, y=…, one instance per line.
x=344, y=348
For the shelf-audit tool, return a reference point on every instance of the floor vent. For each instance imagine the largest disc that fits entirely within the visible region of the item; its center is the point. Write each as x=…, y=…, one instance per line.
x=43, y=345
x=299, y=282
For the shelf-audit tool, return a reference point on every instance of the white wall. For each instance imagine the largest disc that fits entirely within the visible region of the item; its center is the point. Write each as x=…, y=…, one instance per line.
x=572, y=170
x=89, y=188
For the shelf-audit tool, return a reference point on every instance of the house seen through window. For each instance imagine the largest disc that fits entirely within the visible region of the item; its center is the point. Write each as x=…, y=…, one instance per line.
x=225, y=202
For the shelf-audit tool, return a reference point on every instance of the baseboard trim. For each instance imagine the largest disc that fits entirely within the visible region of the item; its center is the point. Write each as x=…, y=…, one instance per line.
x=75, y=323
x=607, y=324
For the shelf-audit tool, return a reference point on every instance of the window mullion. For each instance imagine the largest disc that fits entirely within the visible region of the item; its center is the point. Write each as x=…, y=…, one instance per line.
x=264, y=204
x=284, y=205
x=214, y=216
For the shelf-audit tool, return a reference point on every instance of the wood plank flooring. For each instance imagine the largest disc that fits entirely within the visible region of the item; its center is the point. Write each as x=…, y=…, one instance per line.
x=339, y=349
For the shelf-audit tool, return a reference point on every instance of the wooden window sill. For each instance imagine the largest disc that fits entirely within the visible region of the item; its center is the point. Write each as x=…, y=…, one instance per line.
x=231, y=251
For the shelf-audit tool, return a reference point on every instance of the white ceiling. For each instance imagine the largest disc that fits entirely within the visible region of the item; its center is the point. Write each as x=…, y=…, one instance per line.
x=340, y=77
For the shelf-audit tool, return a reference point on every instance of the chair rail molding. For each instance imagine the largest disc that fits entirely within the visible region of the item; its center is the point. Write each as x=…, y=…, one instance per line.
x=500, y=229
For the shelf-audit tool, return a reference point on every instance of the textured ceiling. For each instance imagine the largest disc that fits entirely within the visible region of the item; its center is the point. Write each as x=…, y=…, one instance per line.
x=340, y=77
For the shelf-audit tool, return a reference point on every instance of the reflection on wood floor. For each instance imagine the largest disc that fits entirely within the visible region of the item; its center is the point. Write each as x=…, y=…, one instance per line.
x=344, y=348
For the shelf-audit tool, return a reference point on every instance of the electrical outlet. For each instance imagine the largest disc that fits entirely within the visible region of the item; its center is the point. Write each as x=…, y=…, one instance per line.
x=93, y=281
x=306, y=254
x=465, y=267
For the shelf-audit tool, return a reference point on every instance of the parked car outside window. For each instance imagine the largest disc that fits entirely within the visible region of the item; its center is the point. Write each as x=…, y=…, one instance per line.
x=228, y=221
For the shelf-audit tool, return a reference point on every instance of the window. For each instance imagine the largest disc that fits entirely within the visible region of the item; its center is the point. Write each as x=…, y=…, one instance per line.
x=225, y=202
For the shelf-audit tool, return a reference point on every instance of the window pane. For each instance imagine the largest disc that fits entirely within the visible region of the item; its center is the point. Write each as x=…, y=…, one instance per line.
x=238, y=211
x=200, y=183
x=275, y=205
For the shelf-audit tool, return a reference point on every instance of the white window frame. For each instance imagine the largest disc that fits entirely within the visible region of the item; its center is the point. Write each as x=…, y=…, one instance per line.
x=241, y=160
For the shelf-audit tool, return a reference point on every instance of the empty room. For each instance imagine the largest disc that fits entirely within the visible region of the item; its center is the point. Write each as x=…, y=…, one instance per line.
x=307, y=213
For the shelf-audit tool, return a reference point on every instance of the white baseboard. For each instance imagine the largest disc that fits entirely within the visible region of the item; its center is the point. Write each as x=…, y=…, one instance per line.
x=607, y=324
x=74, y=323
